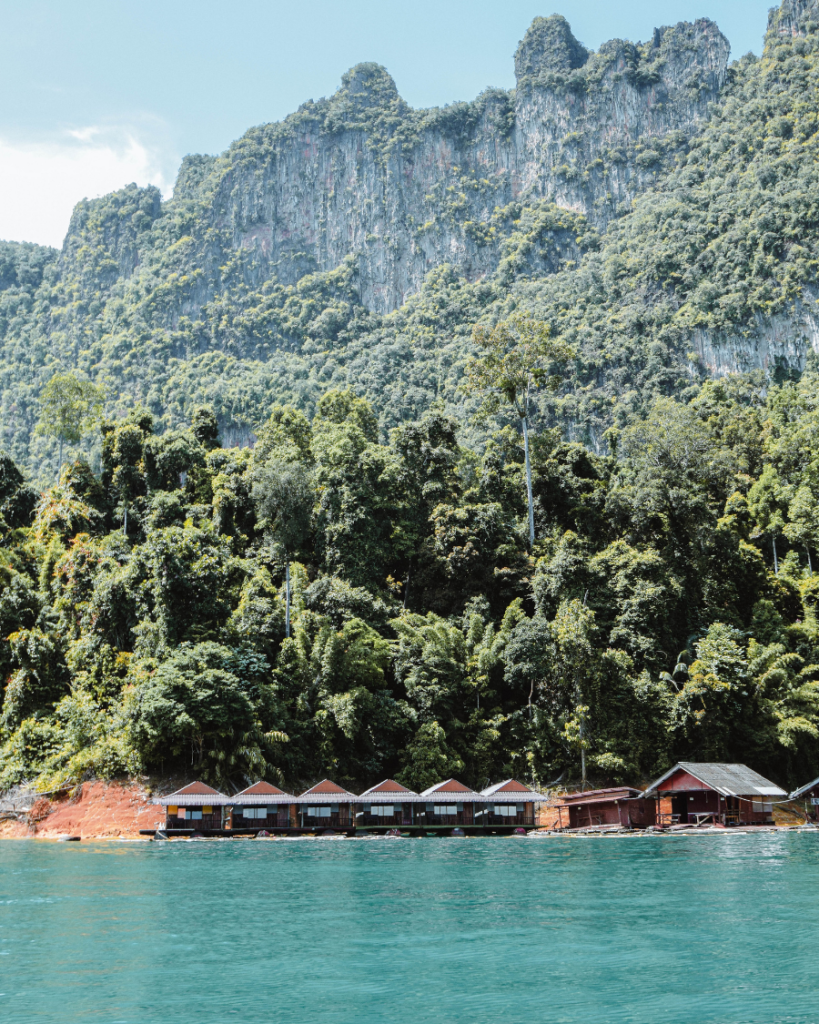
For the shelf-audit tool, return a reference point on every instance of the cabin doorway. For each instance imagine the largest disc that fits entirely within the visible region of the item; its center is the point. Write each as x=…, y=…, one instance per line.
x=679, y=805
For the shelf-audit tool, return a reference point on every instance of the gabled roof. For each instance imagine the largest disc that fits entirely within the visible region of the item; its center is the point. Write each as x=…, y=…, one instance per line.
x=327, y=788
x=805, y=789
x=388, y=786
x=510, y=786
x=262, y=789
x=195, y=794
x=727, y=779
x=450, y=786
x=259, y=792
x=196, y=789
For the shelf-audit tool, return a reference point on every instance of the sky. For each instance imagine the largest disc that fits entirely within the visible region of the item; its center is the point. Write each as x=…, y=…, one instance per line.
x=100, y=93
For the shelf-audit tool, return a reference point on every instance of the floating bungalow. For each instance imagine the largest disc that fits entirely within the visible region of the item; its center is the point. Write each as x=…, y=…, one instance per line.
x=714, y=793
x=508, y=803
x=449, y=803
x=194, y=808
x=326, y=806
x=262, y=806
x=387, y=805
x=598, y=808
x=809, y=795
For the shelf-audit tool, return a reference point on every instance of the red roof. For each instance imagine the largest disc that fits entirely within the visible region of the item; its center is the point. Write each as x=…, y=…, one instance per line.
x=326, y=787
x=196, y=789
x=261, y=789
x=513, y=786
x=450, y=786
x=388, y=786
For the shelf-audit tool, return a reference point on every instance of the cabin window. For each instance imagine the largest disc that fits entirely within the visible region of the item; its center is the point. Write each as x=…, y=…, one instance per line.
x=195, y=814
x=318, y=812
x=258, y=812
x=207, y=810
x=173, y=811
x=445, y=809
x=762, y=806
x=180, y=813
x=506, y=810
x=384, y=810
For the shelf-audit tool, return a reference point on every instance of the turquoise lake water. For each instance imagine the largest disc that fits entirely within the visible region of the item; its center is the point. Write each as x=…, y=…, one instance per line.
x=682, y=930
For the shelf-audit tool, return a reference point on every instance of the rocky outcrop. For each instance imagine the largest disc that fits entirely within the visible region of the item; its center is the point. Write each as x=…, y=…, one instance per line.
x=405, y=191
x=772, y=343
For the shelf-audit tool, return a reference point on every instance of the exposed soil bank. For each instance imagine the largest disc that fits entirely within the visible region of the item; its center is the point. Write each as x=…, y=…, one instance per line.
x=94, y=810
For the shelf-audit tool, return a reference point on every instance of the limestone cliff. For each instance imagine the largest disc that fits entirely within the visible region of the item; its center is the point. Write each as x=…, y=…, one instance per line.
x=405, y=191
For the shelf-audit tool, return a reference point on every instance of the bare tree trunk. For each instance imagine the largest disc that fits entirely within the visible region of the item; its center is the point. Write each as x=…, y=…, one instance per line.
x=582, y=759
x=810, y=565
x=776, y=560
x=287, y=596
x=525, y=426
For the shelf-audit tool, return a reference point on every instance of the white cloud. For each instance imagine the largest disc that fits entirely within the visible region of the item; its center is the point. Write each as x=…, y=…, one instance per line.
x=40, y=182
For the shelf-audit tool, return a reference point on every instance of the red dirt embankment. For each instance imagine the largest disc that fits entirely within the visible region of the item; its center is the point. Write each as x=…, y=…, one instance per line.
x=94, y=810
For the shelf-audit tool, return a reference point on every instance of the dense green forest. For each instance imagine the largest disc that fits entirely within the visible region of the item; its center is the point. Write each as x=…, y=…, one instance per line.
x=261, y=454
x=668, y=606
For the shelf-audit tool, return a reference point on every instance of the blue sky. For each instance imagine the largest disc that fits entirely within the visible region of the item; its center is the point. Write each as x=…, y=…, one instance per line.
x=97, y=93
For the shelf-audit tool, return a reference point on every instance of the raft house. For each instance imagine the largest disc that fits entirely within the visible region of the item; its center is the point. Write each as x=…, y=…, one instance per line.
x=328, y=808
x=809, y=797
x=620, y=807
x=694, y=793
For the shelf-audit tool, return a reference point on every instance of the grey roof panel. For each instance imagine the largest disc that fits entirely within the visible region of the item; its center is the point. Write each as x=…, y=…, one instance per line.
x=727, y=779
x=804, y=789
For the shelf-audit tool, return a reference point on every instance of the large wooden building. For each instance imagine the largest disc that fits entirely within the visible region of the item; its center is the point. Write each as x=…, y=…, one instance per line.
x=693, y=793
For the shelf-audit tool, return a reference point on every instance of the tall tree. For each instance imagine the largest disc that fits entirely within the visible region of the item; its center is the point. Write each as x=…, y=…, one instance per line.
x=69, y=407
x=283, y=493
x=517, y=356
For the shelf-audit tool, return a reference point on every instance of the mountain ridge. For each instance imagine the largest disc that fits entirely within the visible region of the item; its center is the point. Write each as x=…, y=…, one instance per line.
x=355, y=243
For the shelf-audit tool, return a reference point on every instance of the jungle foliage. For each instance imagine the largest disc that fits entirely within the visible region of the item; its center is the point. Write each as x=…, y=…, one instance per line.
x=669, y=602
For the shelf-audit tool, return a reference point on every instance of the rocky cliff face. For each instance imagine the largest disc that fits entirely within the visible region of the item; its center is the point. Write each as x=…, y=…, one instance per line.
x=408, y=190
x=404, y=191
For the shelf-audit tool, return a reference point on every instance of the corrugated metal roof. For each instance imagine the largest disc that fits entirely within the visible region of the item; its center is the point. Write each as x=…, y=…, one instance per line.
x=600, y=795
x=804, y=789
x=727, y=779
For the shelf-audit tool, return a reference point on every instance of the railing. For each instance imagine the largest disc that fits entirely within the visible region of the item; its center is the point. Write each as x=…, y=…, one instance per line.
x=504, y=819
x=461, y=818
x=272, y=821
x=391, y=820
x=207, y=821
x=331, y=821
